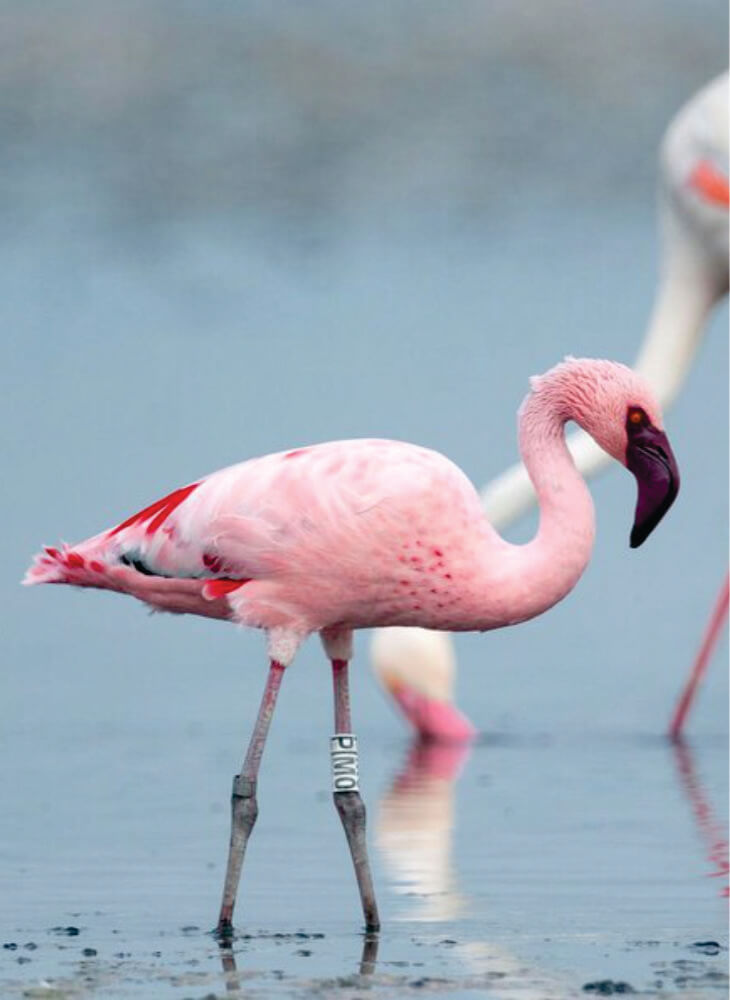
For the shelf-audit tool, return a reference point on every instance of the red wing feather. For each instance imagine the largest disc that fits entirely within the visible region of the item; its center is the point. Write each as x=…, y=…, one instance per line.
x=213, y=589
x=158, y=511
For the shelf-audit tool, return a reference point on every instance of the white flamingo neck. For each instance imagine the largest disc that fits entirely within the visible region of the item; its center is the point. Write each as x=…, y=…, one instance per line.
x=684, y=299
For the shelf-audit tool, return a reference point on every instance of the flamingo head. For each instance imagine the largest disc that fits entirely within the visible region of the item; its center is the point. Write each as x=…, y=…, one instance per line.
x=649, y=456
x=416, y=667
x=617, y=407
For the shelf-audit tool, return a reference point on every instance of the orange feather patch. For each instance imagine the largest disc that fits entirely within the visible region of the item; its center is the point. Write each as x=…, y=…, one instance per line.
x=710, y=183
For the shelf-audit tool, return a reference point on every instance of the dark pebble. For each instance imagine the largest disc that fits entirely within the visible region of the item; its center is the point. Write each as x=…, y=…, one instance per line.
x=10, y=946
x=304, y=952
x=706, y=947
x=608, y=987
x=23, y=960
x=30, y=946
x=189, y=929
x=66, y=931
x=89, y=952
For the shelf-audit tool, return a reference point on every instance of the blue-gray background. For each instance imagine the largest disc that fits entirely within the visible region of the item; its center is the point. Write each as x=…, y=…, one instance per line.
x=230, y=229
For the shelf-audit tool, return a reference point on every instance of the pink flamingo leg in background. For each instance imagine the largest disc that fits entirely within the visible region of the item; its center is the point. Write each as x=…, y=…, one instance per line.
x=717, y=620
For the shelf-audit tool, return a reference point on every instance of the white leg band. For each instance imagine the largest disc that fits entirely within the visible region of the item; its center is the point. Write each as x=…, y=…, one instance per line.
x=343, y=754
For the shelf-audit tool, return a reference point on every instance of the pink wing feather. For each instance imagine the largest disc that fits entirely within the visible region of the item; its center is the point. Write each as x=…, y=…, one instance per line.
x=146, y=556
x=320, y=533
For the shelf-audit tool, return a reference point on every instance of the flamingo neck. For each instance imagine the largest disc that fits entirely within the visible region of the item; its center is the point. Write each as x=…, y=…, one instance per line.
x=547, y=568
x=688, y=289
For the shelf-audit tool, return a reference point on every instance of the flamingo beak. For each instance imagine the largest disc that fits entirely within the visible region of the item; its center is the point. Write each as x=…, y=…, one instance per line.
x=650, y=458
x=391, y=683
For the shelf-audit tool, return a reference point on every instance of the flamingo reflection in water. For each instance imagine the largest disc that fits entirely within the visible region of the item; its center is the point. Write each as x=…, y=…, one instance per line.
x=414, y=826
x=712, y=832
x=413, y=834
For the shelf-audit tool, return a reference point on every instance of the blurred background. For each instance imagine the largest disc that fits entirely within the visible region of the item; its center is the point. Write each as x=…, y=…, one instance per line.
x=231, y=229
x=228, y=231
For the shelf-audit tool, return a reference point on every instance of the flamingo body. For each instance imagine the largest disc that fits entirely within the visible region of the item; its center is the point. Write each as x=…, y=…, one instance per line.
x=347, y=533
x=352, y=534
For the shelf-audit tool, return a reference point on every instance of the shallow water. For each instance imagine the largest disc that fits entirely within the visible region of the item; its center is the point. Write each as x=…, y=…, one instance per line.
x=528, y=866
x=276, y=224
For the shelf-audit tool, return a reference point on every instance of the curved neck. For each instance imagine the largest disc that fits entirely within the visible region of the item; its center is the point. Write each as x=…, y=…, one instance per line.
x=688, y=289
x=544, y=570
x=684, y=298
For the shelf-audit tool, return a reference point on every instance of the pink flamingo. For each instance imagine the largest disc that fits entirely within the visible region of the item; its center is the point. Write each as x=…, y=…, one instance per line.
x=353, y=534
x=693, y=211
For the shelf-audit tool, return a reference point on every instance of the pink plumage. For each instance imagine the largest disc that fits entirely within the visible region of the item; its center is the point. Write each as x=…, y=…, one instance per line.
x=352, y=534
x=344, y=533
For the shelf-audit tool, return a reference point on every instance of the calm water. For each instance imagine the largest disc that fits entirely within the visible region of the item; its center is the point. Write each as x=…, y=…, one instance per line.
x=231, y=234
x=529, y=867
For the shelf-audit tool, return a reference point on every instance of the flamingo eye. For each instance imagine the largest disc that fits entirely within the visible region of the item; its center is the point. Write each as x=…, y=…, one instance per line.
x=636, y=416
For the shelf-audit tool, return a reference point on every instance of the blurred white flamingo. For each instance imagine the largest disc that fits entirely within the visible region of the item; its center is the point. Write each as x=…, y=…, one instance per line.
x=693, y=213
x=417, y=669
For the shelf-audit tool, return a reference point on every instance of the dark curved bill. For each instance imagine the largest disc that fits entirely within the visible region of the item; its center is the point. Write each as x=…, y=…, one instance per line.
x=650, y=458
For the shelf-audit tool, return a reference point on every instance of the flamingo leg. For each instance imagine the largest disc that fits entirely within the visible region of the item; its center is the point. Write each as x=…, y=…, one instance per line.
x=709, y=640
x=244, y=807
x=350, y=806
